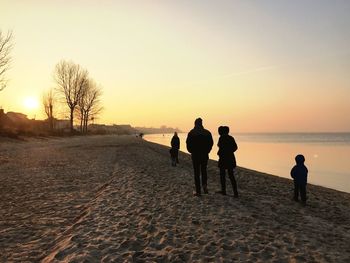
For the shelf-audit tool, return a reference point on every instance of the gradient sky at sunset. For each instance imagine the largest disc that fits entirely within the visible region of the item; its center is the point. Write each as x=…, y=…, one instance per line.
x=257, y=66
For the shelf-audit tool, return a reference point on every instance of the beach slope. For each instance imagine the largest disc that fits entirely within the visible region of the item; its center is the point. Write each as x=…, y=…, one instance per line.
x=117, y=198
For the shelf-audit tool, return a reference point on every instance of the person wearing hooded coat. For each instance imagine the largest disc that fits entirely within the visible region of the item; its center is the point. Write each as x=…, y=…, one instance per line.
x=299, y=174
x=174, y=151
x=227, y=160
x=199, y=143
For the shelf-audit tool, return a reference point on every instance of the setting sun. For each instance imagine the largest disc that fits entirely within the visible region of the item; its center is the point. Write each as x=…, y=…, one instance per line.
x=31, y=103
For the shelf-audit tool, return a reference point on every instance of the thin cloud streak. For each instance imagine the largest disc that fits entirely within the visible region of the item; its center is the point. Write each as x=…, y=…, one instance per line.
x=230, y=75
x=248, y=71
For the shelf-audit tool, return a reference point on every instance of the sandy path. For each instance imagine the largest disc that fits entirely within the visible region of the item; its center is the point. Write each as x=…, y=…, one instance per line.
x=118, y=199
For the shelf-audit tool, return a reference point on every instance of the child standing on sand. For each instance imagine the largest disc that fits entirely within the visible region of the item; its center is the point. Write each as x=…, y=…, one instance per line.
x=299, y=174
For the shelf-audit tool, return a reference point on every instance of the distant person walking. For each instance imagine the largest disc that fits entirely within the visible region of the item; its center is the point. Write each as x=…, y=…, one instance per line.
x=174, y=151
x=299, y=174
x=227, y=160
x=199, y=143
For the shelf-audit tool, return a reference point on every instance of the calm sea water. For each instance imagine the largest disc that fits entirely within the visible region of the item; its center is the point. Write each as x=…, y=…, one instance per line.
x=327, y=154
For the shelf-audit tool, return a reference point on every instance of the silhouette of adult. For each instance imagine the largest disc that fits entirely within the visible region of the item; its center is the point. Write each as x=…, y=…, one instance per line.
x=174, y=151
x=227, y=161
x=199, y=143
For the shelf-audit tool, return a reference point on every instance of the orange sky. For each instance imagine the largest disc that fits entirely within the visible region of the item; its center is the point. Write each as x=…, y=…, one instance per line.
x=257, y=66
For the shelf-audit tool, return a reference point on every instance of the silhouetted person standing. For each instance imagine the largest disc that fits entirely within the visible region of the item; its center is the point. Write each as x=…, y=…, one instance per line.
x=299, y=174
x=174, y=151
x=227, y=160
x=199, y=143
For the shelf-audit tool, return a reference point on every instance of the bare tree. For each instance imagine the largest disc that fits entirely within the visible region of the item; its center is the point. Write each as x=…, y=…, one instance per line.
x=49, y=103
x=93, y=104
x=6, y=46
x=89, y=104
x=80, y=111
x=71, y=79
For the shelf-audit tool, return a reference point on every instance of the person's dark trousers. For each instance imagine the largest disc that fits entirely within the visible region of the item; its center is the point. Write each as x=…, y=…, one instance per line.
x=232, y=179
x=200, y=168
x=299, y=188
x=173, y=161
x=177, y=156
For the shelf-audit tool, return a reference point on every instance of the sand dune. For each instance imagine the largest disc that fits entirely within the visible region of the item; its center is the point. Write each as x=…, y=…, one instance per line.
x=116, y=199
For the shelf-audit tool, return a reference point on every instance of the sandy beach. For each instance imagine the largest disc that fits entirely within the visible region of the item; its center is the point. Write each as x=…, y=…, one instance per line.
x=118, y=199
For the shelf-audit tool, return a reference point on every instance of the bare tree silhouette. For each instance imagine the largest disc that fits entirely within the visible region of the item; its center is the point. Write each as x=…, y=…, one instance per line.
x=71, y=80
x=49, y=103
x=6, y=46
x=89, y=104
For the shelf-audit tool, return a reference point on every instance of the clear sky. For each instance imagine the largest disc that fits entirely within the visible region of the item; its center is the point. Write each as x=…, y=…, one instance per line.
x=257, y=66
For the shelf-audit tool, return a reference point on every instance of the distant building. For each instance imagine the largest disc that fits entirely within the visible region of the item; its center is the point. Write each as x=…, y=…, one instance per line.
x=111, y=129
x=162, y=129
x=15, y=122
x=5, y=121
x=17, y=118
x=62, y=125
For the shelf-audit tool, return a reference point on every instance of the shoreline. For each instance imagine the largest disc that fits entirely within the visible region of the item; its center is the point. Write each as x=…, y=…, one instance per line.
x=248, y=170
x=326, y=162
x=117, y=198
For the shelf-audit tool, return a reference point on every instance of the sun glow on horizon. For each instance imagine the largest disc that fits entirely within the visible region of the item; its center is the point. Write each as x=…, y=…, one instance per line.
x=256, y=66
x=31, y=103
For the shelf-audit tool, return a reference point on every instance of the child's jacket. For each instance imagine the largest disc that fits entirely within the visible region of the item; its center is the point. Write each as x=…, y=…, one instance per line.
x=299, y=174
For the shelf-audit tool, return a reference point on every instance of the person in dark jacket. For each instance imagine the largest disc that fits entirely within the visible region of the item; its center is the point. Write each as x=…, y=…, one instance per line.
x=174, y=151
x=227, y=160
x=199, y=143
x=299, y=174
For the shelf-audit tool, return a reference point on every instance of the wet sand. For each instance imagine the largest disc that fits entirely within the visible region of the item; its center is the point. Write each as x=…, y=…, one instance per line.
x=117, y=198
